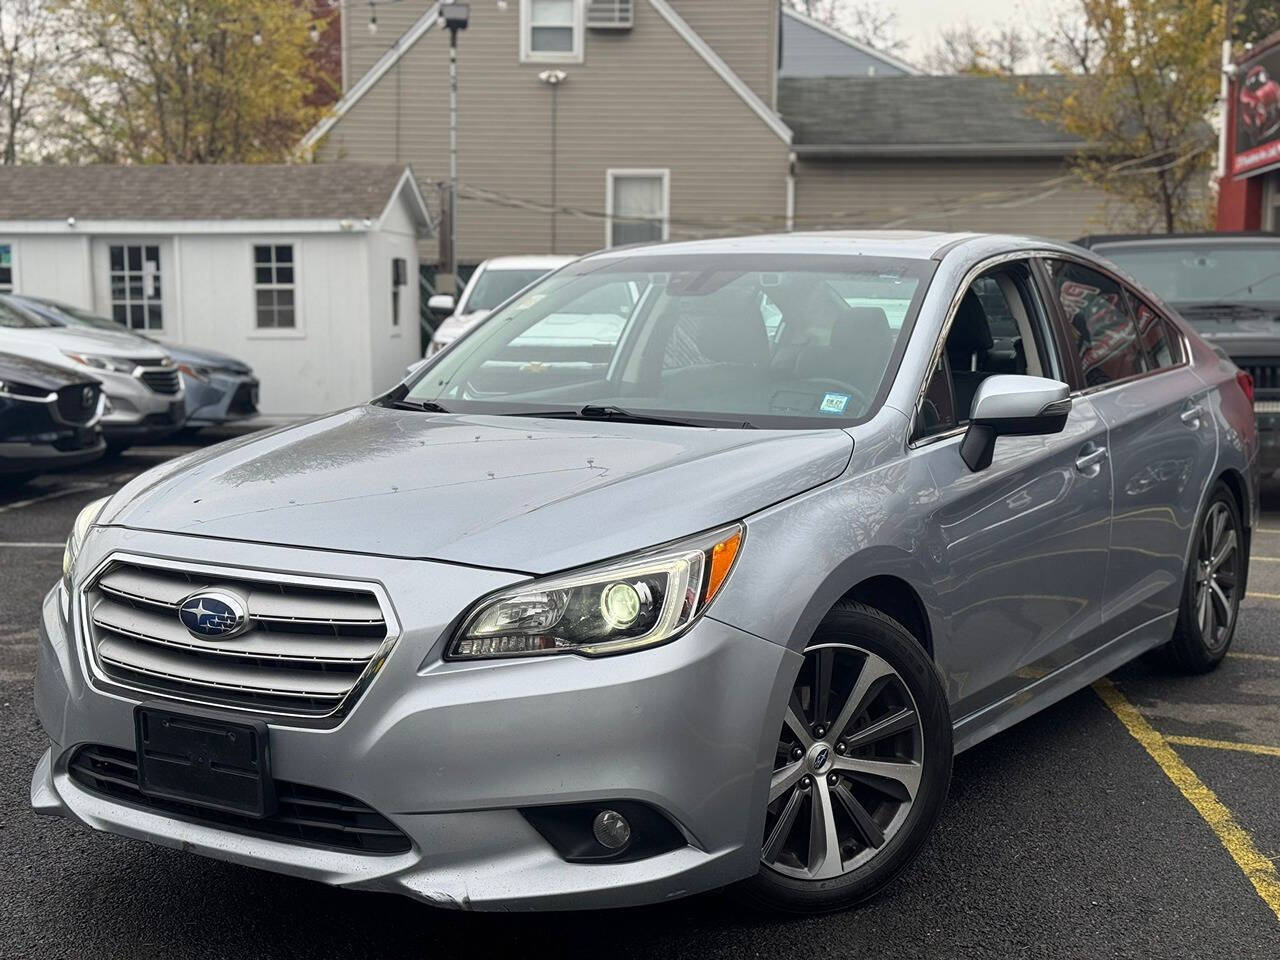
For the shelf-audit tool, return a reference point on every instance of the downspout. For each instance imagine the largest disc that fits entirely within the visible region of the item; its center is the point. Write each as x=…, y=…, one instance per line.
x=791, y=191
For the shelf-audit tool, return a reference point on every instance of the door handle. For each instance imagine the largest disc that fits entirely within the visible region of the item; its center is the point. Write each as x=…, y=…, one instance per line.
x=1192, y=415
x=1087, y=461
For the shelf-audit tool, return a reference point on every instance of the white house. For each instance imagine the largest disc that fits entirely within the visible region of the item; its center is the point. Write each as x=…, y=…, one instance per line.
x=307, y=272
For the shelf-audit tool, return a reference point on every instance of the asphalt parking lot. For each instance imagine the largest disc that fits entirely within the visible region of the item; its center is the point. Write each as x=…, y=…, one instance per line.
x=1139, y=819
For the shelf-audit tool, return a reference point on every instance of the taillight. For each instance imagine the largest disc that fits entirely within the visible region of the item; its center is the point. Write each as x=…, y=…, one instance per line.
x=1246, y=384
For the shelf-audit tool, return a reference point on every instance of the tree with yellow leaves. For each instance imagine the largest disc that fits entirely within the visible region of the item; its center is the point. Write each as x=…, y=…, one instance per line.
x=188, y=81
x=1144, y=82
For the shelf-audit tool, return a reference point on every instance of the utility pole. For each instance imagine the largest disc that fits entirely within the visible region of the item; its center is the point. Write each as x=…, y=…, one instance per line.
x=553, y=79
x=1224, y=90
x=455, y=16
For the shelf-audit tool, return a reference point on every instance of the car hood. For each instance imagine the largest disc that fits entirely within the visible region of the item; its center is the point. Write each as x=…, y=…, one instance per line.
x=200, y=356
x=531, y=495
x=81, y=340
x=32, y=372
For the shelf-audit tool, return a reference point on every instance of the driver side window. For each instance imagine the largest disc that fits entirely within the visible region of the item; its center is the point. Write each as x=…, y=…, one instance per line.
x=998, y=327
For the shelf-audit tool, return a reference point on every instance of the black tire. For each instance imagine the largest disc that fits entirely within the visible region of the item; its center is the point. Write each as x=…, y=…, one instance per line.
x=114, y=449
x=1192, y=649
x=852, y=630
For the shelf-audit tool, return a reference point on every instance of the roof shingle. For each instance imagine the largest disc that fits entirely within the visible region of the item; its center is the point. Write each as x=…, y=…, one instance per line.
x=918, y=114
x=198, y=192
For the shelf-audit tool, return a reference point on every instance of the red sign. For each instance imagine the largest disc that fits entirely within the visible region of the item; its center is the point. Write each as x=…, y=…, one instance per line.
x=1257, y=105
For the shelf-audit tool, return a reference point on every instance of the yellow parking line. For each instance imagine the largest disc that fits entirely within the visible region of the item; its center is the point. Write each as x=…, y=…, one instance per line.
x=1254, y=556
x=1260, y=871
x=1254, y=595
x=1254, y=656
x=1225, y=745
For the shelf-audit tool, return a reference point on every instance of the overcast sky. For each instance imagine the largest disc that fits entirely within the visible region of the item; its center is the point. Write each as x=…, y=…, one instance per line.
x=921, y=21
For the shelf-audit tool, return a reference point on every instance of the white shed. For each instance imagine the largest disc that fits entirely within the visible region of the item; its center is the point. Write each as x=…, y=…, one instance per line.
x=309, y=273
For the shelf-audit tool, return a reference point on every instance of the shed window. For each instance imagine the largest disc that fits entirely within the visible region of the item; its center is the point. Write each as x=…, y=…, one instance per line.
x=6, y=268
x=638, y=205
x=273, y=286
x=135, y=286
x=551, y=30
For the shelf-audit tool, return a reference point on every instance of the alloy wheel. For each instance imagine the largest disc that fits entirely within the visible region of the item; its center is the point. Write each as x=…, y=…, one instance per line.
x=848, y=766
x=1217, y=576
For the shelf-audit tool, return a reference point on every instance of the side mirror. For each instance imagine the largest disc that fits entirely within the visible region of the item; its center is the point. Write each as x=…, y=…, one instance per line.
x=440, y=303
x=1012, y=406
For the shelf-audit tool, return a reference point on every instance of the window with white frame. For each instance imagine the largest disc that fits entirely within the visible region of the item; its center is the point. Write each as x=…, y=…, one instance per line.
x=551, y=31
x=638, y=206
x=273, y=286
x=135, y=285
x=6, y=268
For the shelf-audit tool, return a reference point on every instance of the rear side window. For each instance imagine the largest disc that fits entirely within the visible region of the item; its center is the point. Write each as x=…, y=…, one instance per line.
x=1162, y=345
x=1098, y=324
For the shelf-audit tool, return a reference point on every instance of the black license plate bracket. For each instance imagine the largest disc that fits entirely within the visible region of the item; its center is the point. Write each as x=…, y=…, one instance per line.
x=202, y=758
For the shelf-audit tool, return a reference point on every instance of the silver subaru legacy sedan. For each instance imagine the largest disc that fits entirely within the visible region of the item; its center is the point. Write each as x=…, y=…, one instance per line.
x=715, y=599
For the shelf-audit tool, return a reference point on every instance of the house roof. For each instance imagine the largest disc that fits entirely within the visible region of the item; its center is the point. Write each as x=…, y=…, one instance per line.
x=431, y=16
x=204, y=192
x=894, y=64
x=918, y=116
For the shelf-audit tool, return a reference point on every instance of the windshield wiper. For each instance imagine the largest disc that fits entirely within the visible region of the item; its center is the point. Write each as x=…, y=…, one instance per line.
x=1224, y=306
x=608, y=411
x=422, y=406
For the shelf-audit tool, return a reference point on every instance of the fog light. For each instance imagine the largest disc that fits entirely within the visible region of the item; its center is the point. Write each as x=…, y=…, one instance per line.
x=611, y=829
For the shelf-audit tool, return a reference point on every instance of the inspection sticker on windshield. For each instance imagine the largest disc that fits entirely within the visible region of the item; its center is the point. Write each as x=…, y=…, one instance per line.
x=834, y=403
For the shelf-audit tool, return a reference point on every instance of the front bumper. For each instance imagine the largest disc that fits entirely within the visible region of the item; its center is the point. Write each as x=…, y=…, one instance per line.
x=23, y=457
x=449, y=752
x=222, y=398
x=139, y=413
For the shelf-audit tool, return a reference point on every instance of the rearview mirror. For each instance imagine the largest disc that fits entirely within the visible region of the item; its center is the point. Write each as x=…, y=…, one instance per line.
x=440, y=303
x=1012, y=406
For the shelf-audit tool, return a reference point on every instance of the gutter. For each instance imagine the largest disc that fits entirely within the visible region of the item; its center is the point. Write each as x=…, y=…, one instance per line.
x=855, y=151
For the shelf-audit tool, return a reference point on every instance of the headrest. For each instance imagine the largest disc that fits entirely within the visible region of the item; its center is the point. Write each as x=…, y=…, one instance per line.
x=970, y=332
x=860, y=329
x=733, y=331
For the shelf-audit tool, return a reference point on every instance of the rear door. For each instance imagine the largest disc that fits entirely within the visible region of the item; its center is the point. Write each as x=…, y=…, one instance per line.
x=1131, y=363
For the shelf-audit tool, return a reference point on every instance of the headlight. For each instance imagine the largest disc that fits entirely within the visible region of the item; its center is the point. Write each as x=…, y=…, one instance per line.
x=115, y=364
x=84, y=520
x=624, y=605
x=200, y=374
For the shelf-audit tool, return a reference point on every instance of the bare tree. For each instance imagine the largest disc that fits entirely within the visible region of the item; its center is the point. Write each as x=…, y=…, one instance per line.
x=966, y=49
x=30, y=55
x=867, y=21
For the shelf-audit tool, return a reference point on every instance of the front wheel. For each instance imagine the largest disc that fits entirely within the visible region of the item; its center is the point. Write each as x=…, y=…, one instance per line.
x=1210, y=603
x=862, y=766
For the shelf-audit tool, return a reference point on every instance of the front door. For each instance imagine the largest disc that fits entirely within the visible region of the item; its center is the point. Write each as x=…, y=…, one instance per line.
x=130, y=282
x=1018, y=550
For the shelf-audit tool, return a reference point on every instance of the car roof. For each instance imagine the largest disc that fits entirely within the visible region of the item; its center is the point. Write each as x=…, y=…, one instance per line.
x=1161, y=239
x=539, y=262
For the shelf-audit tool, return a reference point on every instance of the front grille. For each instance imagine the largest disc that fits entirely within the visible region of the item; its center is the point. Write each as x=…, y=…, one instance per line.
x=78, y=402
x=307, y=815
x=307, y=649
x=1264, y=371
x=242, y=400
x=161, y=380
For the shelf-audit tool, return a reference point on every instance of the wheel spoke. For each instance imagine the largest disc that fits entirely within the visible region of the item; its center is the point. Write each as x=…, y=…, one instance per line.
x=824, y=662
x=1222, y=551
x=784, y=779
x=798, y=727
x=782, y=828
x=1221, y=605
x=869, y=829
x=824, y=842
x=873, y=670
x=1203, y=614
x=1219, y=516
x=882, y=773
x=904, y=719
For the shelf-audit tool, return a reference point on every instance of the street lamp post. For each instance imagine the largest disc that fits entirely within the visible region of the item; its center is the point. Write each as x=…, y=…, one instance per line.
x=455, y=16
x=553, y=79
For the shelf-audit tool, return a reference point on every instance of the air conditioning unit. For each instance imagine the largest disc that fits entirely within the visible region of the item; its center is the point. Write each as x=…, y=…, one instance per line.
x=610, y=14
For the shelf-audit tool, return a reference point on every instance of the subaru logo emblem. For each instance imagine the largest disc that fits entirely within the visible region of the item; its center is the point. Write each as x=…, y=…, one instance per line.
x=820, y=758
x=87, y=396
x=214, y=614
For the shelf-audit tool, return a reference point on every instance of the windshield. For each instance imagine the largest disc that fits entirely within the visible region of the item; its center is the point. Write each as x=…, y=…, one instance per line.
x=1209, y=272
x=736, y=339
x=495, y=286
x=15, y=317
x=74, y=316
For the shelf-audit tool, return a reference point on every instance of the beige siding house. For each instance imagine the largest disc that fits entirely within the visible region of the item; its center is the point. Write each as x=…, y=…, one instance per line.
x=674, y=119
x=650, y=120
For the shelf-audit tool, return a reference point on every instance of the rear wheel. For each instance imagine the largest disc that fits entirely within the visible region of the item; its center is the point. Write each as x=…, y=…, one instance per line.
x=1210, y=602
x=862, y=766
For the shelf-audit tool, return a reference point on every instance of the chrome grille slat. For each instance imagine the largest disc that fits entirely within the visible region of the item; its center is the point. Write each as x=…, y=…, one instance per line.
x=255, y=644
x=308, y=649
x=144, y=658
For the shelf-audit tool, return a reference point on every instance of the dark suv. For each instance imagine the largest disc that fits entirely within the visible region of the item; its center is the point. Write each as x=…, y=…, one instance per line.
x=1228, y=286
